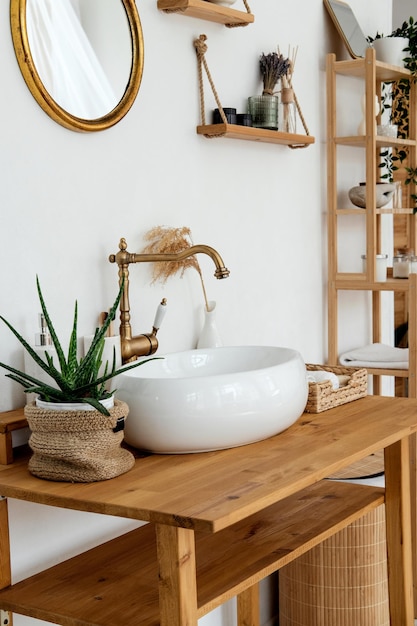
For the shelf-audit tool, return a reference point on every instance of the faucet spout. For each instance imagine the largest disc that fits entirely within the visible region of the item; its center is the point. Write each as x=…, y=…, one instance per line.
x=144, y=345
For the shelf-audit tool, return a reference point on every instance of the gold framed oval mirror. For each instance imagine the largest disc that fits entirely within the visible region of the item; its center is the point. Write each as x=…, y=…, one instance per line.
x=94, y=86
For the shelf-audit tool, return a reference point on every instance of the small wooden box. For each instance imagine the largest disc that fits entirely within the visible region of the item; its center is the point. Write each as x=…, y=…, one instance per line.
x=322, y=396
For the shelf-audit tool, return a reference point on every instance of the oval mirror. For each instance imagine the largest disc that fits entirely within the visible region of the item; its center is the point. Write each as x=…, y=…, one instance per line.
x=81, y=59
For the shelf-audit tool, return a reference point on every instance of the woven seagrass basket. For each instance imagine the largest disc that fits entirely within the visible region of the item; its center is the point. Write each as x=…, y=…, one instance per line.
x=322, y=396
x=78, y=446
x=341, y=582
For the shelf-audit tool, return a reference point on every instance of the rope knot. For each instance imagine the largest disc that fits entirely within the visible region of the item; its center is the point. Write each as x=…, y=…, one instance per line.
x=200, y=45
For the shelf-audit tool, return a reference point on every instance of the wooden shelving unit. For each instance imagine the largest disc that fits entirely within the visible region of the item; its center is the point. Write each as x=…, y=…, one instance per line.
x=205, y=10
x=249, y=133
x=372, y=73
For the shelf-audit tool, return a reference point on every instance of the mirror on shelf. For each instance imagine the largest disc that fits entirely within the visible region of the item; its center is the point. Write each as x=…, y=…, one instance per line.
x=348, y=27
x=81, y=59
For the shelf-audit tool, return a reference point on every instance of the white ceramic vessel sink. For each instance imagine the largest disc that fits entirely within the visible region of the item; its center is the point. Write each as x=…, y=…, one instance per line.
x=211, y=399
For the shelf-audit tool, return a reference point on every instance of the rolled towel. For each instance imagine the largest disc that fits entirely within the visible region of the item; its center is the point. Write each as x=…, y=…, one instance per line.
x=376, y=355
x=319, y=376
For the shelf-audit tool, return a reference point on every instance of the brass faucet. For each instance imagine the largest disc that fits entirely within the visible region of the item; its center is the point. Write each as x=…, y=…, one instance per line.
x=146, y=344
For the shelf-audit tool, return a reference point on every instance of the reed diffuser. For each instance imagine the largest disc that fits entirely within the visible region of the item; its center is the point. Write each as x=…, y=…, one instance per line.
x=289, y=108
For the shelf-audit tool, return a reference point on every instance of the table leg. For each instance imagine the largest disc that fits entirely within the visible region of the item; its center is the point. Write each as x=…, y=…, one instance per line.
x=398, y=520
x=5, y=567
x=177, y=576
x=248, y=607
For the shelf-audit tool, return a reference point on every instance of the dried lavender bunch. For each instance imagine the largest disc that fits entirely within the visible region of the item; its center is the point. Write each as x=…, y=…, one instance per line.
x=273, y=67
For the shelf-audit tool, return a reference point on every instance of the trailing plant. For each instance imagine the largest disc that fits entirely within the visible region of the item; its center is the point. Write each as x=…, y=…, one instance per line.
x=412, y=180
x=76, y=380
x=408, y=30
x=395, y=99
x=170, y=240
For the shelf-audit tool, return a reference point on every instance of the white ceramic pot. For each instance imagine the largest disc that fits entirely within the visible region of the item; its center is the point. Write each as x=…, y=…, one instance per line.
x=390, y=50
x=108, y=403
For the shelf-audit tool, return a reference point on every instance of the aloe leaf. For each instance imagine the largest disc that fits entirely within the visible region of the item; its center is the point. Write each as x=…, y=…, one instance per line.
x=54, y=336
x=101, y=332
x=97, y=405
x=72, y=349
x=125, y=368
x=27, y=347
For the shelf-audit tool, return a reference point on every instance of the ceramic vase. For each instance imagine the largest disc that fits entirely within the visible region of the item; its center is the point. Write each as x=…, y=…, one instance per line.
x=210, y=337
x=391, y=50
x=362, y=125
x=384, y=193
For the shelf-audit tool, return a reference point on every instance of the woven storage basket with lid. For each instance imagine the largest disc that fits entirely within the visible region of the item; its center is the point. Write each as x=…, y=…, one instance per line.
x=78, y=446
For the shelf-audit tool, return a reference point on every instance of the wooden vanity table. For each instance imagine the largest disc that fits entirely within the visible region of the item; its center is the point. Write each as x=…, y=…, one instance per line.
x=220, y=522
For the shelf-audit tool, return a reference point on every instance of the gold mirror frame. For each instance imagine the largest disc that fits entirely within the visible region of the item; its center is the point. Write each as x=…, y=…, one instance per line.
x=43, y=97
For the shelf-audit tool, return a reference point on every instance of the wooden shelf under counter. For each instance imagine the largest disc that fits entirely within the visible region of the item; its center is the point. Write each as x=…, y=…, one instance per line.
x=250, y=133
x=120, y=577
x=205, y=10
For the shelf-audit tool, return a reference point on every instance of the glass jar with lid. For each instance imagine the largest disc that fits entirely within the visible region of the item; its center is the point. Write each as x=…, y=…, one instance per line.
x=400, y=265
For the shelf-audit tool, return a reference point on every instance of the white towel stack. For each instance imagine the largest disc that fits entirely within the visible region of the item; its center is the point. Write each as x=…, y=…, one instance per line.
x=376, y=355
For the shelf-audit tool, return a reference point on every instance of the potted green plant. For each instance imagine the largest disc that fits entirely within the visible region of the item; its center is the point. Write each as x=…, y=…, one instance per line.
x=395, y=100
x=74, y=436
x=404, y=39
x=264, y=108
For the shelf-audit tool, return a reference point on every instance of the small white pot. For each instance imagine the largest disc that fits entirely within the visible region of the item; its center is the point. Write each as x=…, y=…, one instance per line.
x=108, y=403
x=390, y=50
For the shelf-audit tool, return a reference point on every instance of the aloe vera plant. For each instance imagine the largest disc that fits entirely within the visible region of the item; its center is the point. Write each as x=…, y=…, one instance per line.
x=77, y=380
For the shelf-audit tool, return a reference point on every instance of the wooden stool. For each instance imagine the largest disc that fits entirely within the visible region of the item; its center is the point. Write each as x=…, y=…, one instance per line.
x=9, y=421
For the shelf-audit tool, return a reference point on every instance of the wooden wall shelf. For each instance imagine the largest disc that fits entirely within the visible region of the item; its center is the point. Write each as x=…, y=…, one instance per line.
x=205, y=10
x=249, y=133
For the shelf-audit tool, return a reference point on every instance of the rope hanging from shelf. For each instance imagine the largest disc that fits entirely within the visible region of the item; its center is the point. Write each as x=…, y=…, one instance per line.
x=236, y=25
x=201, y=48
x=300, y=113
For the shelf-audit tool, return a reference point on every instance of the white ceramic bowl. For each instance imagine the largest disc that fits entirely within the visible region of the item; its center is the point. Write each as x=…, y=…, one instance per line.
x=210, y=399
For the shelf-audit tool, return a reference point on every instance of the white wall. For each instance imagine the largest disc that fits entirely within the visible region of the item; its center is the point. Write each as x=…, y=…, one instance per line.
x=401, y=11
x=67, y=198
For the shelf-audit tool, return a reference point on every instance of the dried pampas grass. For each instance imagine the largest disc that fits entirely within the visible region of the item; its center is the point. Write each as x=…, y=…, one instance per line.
x=169, y=240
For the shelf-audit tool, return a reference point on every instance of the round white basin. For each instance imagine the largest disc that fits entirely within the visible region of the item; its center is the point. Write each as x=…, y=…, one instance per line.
x=211, y=399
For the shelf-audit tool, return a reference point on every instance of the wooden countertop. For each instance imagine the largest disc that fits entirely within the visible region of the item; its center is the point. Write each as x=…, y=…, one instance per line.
x=213, y=490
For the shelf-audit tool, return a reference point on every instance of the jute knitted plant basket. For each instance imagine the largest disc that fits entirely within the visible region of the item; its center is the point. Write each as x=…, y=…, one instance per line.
x=341, y=582
x=78, y=446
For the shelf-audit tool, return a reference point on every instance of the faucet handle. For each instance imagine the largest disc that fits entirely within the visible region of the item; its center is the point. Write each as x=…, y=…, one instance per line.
x=159, y=316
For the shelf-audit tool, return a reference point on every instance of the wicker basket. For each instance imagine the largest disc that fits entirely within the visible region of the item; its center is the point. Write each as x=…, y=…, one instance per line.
x=322, y=396
x=342, y=581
